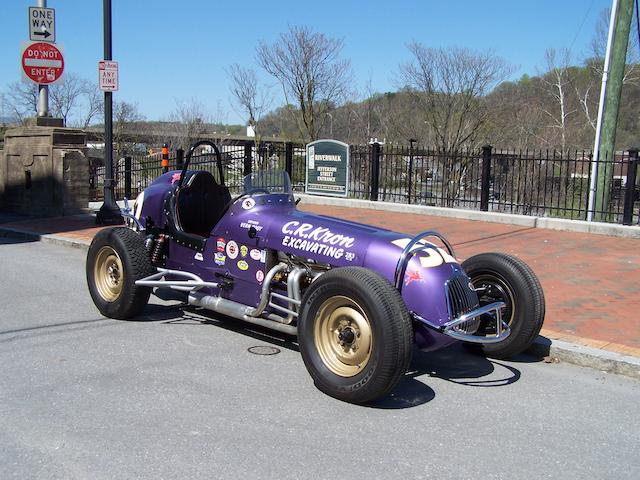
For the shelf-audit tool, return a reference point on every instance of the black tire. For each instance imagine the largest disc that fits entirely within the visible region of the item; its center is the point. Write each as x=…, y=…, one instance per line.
x=117, y=258
x=511, y=280
x=371, y=317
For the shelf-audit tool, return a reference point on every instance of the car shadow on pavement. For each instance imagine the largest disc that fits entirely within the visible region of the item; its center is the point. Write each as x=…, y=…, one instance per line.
x=158, y=313
x=191, y=316
x=13, y=239
x=453, y=364
x=52, y=328
x=410, y=392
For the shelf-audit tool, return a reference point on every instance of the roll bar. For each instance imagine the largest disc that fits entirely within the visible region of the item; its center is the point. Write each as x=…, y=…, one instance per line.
x=187, y=160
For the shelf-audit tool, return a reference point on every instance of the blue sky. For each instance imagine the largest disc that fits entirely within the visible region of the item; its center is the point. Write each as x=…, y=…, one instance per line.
x=176, y=50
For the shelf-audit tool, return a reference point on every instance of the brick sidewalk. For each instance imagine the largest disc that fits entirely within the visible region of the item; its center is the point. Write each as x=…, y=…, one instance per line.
x=591, y=282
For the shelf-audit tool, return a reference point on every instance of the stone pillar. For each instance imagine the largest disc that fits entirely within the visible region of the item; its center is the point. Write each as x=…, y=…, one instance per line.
x=44, y=171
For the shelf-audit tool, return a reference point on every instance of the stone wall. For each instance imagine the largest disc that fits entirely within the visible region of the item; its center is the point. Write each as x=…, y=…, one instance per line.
x=44, y=171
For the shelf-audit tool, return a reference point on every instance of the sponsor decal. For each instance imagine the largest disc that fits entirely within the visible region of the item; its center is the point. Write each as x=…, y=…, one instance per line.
x=242, y=265
x=244, y=250
x=321, y=240
x=219, y=258
x=248, y=203
x=198, y=256
x=232, y=250
x=260, y=276
x=430, y=256
x=252, y=223
x=220, y=244
x=263, y=256
x=413, y=276
x=175, y=178
x=349, y=256
x=255, y=254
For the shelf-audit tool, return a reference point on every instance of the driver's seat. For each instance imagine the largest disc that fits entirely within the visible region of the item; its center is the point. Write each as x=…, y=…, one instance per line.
x=200, y=203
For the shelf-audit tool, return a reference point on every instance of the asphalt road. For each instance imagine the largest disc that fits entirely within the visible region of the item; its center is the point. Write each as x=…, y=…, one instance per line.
x=177, y=396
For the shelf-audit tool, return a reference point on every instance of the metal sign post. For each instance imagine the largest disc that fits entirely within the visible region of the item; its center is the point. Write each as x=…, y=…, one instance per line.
x=109, y=213
x=44, y=23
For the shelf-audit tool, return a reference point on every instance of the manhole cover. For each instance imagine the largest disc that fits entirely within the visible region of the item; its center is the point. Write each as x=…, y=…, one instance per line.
x=263, y=350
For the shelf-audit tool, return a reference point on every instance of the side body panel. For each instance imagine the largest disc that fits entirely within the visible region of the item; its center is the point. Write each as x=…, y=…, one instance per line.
x=237, y=249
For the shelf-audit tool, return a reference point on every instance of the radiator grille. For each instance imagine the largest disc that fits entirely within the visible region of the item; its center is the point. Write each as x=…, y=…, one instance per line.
x=461, y=299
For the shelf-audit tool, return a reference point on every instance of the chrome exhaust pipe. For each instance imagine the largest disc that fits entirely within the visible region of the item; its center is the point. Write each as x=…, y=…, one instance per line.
x=239, y=311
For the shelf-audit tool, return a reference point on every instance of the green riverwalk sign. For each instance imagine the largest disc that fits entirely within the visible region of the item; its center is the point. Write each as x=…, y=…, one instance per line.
x=327, y=168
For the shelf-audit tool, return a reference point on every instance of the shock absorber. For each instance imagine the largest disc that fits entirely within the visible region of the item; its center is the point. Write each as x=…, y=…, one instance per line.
x=157, y=251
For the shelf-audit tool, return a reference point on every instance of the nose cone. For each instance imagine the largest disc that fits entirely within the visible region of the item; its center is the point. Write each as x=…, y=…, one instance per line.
x=423, y=289
x=427, y=272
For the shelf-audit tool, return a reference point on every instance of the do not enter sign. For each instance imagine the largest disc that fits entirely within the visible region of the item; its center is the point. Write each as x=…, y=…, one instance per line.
x=42, y=62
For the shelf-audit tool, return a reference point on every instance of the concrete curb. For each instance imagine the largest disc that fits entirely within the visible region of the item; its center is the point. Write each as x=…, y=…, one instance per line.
x=52, y=239
x=579, y=226
x=604, y=360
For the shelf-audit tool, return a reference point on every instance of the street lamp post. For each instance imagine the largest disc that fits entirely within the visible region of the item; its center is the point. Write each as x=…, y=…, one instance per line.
x=109, y=213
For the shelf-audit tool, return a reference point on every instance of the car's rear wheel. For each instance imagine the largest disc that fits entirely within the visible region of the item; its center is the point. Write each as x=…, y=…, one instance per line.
x=500, y=277
x=355, y=334
x=117, y=258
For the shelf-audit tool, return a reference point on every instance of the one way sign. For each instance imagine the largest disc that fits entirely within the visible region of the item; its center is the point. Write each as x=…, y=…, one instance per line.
x=42, y=24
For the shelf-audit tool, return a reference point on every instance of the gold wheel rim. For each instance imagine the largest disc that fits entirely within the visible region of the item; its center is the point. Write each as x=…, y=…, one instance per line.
x=343, y=336
x=108, y=274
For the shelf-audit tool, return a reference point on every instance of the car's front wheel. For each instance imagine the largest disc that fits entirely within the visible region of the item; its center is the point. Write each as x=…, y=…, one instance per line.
x=117, y=258
x=355, y=334
x=502, y=278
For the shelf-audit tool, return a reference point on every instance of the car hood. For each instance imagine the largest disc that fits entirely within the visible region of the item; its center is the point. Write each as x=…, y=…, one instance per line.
x=280, y=226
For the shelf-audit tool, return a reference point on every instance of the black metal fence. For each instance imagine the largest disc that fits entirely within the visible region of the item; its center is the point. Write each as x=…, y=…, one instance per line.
x=541, y=183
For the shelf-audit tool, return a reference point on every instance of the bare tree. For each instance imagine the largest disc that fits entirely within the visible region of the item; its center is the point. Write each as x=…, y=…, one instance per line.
x=124, y=114
x=190, y=120
x=22, y=100
x=558, y=81
x=599, y=46
x=64, y=97
x=309, y=68
x=3, y=108
x=587, y=91
x=517, y=120
x=252, y=99
x=449, y=85
x=93, y=104
x=76, y=100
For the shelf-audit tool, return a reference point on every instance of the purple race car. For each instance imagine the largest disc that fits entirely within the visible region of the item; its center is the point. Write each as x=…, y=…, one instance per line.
x=357, y=297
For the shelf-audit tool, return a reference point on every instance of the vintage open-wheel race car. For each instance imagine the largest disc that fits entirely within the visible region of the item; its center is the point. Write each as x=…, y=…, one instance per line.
x=357, y=297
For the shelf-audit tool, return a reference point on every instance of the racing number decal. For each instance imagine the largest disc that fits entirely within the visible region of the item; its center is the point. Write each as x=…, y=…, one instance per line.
x=430, y=256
